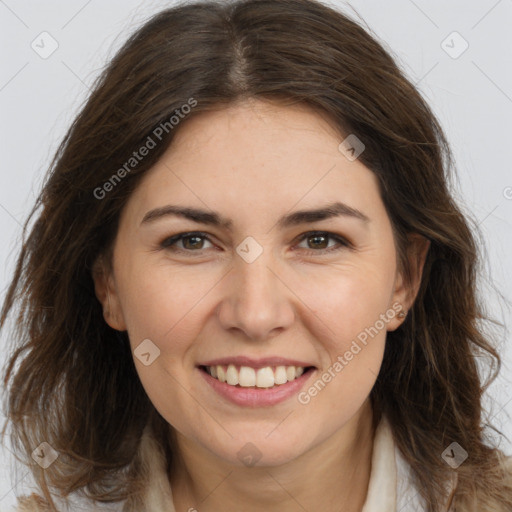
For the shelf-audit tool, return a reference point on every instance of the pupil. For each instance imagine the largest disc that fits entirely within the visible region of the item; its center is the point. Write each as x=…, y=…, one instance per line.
x=191, y=246
x=317, y=237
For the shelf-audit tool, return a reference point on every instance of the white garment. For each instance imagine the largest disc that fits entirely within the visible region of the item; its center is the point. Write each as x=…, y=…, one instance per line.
x=390, y=487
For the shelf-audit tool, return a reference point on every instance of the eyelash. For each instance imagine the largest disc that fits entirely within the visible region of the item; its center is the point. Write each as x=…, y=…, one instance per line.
x=171, y=241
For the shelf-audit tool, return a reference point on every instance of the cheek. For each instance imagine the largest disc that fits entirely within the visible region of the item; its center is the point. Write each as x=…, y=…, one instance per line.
x=353, y=303
x=349, y=320
x=162, y=303
x=349, y=314
x=164, y=306
x=347, y=301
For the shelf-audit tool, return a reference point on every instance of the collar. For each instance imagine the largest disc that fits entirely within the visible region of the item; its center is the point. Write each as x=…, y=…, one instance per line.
x=390, y=488
x=382, y=487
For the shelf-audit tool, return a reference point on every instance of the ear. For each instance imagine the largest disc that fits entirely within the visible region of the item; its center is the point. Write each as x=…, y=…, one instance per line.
x=106, y=292
x=405, y=293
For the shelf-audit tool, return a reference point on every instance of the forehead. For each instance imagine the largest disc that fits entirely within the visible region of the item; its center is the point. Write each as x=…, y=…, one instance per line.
x=255, y=130
x=259, y=157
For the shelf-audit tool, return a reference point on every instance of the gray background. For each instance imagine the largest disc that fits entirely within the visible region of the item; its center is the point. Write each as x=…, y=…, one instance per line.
x=471, y=94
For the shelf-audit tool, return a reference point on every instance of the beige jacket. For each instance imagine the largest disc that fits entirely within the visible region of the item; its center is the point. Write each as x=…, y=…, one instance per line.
x=390, y=487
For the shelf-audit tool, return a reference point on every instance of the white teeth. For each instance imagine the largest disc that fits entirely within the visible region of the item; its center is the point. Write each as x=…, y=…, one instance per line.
x=221, y=374
x=264, y=377
x=248, y=377
x=280, y=375
x=232, y=375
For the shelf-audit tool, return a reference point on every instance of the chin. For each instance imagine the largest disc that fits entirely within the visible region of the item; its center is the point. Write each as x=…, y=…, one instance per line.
x=261, y=451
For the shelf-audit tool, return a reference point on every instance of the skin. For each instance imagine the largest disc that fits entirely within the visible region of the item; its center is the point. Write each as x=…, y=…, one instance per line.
x=253, y=163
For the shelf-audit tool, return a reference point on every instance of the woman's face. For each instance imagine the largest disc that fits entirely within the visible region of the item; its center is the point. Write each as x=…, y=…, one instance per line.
x=256, y=287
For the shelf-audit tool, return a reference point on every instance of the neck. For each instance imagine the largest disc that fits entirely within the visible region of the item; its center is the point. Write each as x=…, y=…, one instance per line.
x=332, y=475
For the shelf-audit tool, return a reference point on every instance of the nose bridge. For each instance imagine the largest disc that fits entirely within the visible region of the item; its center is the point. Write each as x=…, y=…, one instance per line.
x=256, y=302
x=256, y=281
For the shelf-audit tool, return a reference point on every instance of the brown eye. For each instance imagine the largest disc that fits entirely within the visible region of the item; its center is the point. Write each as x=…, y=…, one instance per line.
x=319, y=242
x=190, y=242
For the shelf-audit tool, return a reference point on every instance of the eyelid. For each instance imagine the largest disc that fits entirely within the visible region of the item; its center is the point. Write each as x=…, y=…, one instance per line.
x=171, y=240
x=343, y=243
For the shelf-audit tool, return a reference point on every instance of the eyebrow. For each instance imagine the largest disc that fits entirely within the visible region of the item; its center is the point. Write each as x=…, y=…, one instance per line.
x=200, y=216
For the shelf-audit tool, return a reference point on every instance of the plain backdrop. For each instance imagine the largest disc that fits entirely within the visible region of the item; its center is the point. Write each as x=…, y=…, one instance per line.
x=465, y=76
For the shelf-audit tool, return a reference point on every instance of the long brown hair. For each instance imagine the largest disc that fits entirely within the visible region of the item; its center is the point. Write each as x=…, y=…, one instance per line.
x=71, y=379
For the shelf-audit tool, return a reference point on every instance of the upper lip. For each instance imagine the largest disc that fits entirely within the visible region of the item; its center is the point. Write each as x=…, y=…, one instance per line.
x=255, y=363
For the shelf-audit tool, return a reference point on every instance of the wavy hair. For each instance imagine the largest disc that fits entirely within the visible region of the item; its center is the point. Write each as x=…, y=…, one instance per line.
x=71, y=379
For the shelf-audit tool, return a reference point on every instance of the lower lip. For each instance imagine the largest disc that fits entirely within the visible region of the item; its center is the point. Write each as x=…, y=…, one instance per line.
x=257, y=397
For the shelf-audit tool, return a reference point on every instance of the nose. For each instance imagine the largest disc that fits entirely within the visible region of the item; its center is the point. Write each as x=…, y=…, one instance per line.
x=257, y=301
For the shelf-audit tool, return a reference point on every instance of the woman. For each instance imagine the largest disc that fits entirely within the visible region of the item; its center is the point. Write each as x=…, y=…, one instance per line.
x=248, y=285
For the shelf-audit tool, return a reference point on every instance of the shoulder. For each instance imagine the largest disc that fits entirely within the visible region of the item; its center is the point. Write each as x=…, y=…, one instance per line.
x=496, y=499
x=153, y=467
x=32, y=503
x=36, y=503
x=507, y=464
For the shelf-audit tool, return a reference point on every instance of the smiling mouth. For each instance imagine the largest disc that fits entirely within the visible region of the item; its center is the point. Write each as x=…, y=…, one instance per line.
x=248, y=377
